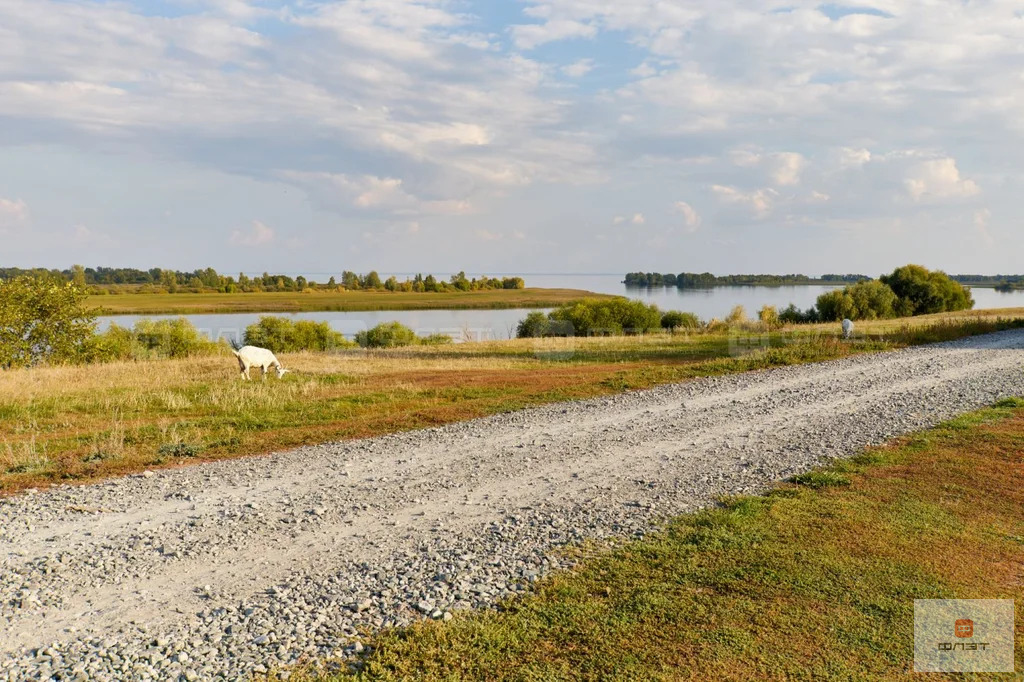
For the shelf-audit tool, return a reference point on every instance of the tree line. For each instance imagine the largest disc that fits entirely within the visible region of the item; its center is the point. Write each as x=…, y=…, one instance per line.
x=159, y=280
x=706, y=280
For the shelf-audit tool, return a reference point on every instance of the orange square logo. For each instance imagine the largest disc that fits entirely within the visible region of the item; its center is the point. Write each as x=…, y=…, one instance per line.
x=964, y=628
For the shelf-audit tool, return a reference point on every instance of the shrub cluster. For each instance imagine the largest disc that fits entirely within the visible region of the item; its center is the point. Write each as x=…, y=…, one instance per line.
x=395, y=334
x=282, y=335
x=590, y=317
x=923, y=292
x=909, y=290
x=674, y=319
x=174, y=338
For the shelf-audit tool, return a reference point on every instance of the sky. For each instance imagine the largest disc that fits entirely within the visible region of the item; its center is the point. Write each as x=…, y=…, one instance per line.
x=512, y=135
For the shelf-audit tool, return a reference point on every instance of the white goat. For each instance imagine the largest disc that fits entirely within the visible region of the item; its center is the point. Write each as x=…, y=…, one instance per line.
x=847, y=328
x=251, y=356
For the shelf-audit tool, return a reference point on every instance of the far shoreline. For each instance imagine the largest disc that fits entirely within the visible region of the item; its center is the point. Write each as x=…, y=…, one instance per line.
x=334, y=301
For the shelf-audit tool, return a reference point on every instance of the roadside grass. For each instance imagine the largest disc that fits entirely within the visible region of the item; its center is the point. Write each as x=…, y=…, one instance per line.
x=71, y=424
x=350, y=301
x=814, y=580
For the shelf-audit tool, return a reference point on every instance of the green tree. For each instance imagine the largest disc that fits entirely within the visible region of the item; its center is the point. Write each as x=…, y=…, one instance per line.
x=872, y=300
x=372, y=281
x=922, y=291
x=78, y=276
x=835, y=305
x=350, y=280
x=42, y=319
x=391, y=284
x=535, y=325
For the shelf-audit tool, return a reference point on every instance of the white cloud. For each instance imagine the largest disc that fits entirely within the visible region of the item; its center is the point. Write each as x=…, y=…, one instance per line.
x=939, y=179
x=373, y=194
x=635, y=219
x=691, y=219
x=402, y=111
x=853, y=158
x=579, y=68
x=529, y=36
x=786, y=168
x=759, y=201
x=257, y=235
x=13, y=214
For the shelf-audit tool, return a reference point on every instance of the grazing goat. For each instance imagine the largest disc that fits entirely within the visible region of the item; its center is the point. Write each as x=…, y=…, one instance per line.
x=251, y=356
x=847, y=328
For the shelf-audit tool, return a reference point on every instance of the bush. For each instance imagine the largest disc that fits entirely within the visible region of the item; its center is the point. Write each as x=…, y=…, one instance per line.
x=867, y=300
x=872, y=300
x=792, y=315
x=608, y=316
x=435, y=340
x=176, y=338
x=910, y=290
x=675, y=319
x=533, y=326
x=835, y=305
x=769, y=317
x=737, y=316
x=386, y=335
x=42, y=319
x=281, y=335
x=116, y=343
x=923, y=292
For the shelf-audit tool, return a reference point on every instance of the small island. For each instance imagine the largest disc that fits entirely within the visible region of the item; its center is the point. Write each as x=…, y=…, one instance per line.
x=158, y=291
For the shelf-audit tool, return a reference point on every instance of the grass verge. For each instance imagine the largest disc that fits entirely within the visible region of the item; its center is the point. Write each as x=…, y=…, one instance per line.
x=815, y=580
x=82, y=423
x=345, y=301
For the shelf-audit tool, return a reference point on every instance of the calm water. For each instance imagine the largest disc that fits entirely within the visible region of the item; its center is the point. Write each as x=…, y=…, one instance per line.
x=501, y=324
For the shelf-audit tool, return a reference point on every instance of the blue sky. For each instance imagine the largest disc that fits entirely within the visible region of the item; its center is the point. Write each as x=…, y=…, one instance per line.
x=532, y=135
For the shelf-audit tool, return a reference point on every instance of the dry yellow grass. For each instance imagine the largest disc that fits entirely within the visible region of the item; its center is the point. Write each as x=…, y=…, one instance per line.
x=79, y=423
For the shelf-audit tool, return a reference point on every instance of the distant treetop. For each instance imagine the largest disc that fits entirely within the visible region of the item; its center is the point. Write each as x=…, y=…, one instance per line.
x=159, y=280
x=706, y=280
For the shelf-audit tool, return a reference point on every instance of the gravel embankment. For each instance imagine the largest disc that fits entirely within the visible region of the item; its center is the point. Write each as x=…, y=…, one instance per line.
x=218, y=570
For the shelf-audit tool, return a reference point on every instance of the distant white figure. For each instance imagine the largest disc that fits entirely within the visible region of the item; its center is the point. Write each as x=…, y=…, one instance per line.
x=251, y=356
x=847, y=328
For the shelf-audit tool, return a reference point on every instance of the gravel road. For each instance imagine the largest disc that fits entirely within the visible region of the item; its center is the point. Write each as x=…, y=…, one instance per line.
x=220, y=570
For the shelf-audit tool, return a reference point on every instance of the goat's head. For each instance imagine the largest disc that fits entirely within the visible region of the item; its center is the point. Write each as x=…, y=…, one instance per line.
x=281, y=371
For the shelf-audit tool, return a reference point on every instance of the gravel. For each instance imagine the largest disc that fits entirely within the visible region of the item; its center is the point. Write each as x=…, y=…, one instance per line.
x=229, y=569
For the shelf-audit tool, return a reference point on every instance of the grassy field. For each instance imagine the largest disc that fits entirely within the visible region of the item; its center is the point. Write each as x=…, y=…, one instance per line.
x=81, y=423
x=813, y=581
x=346, y=301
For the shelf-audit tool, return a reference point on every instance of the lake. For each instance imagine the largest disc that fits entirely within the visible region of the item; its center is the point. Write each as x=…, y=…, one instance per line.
x=480, y=325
